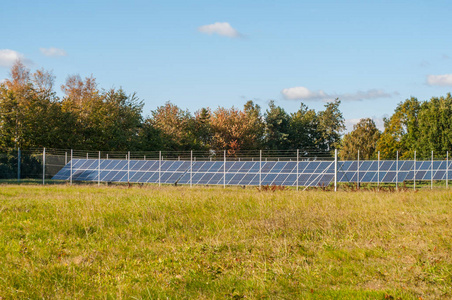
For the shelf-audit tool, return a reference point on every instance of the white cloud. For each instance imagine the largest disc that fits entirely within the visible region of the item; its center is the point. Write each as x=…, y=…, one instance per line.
x=300, y=92
x=303, y=93
x=379, y=122
x=349, y=123
x=53, y=52
x=9, y=57
x=220, y=28
x=441, y=80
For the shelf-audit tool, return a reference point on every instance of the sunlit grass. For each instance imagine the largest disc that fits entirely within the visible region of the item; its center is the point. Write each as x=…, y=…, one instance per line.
x=201, y=242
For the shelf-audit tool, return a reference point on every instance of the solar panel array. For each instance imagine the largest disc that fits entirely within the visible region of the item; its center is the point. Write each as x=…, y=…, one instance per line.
x=308, y=173
x=200, y=172
x=393, y=171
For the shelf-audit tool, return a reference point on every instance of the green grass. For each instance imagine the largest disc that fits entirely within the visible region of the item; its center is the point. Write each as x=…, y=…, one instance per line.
x=87, y=242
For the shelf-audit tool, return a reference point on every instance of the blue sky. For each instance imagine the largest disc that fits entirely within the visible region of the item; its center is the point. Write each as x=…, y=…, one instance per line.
x=370, y=54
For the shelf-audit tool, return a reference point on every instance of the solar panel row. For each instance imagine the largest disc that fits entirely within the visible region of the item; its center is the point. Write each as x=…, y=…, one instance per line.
x=392, y=171
x=200, y=172
x=309, y=173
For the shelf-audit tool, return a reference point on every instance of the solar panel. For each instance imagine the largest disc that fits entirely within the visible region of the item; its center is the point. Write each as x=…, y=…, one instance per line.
x=289, y=167
x=217, y=167
x=277, y=167
x=308, y=173
x=290, y=180
x=216, y=179
x=267, y=166
x=406, y=165
x=246, y=166
x=249, y=179
x=236, y=179
x=280, y=178
x=439, y=175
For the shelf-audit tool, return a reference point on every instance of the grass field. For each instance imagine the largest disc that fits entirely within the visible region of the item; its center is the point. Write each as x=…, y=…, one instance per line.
x=85, y=242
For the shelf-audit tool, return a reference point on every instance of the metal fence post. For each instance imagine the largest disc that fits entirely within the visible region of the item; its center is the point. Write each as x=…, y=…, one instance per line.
x=378, y=170
x=191, y=168
x=397, y=172
x=18, y=165
x=431, y=173
x=414, y=174
x=128, y=167
x=98, y=171
x=357, y=173
x=260, y=169
x=335, y=170
x=160, y=164
x=224, y=169
x=44, y=166
x=298, y=153
x=71, y=166
x=447, y=170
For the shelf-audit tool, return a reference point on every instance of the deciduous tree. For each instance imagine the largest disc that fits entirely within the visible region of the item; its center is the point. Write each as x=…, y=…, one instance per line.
x=176, y=126
x=364, y=138
x=401, y=131
x=236, y=130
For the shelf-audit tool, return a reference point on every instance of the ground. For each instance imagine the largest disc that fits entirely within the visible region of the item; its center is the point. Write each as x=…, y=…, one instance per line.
x=63, y=242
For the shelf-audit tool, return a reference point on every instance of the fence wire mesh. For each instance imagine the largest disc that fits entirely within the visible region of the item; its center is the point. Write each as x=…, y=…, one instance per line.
x=38, y=165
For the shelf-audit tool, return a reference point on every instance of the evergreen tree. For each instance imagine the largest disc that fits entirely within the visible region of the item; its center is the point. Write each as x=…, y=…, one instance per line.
x=277, y=123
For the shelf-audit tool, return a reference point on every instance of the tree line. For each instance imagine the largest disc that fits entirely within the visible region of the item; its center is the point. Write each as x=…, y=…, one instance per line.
x=90, y=118
x=87, y=117
x=421, y=126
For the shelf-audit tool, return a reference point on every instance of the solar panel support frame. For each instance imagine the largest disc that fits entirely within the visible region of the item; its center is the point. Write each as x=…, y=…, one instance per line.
x=44, y=166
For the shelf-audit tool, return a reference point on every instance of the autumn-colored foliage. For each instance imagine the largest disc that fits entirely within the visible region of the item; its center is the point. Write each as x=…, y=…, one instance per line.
x=91, y=118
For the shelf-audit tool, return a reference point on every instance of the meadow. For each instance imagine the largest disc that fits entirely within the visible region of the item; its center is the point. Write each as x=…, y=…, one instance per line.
x=113, y=242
